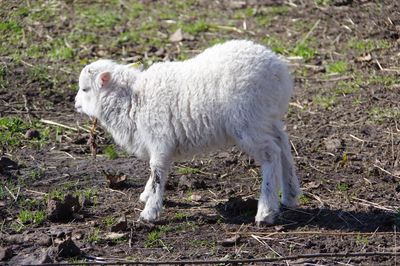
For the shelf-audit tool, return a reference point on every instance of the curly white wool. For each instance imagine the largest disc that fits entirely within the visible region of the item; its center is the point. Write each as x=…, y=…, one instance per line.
x=232, y=93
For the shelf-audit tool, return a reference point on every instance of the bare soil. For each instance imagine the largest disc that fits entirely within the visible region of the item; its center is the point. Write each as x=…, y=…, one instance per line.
x=346, y=153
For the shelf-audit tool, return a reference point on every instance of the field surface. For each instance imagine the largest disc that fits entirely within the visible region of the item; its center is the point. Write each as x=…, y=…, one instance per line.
x=56, y=203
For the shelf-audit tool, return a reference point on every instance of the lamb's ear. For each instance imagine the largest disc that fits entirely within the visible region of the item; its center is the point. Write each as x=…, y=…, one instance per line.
x=105, y=79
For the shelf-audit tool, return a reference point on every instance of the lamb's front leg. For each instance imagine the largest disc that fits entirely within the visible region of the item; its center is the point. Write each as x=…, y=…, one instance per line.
x=156, y=188
x=147, y=189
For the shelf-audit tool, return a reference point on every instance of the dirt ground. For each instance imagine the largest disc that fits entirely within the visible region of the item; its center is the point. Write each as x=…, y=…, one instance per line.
x=56, y=204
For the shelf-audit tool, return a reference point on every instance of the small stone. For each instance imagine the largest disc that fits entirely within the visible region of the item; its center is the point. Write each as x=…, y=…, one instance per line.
x=61, y=211
x=32, y=134
x=229, y=242
x=114, y=236
x=68, y=249
x=7, y=164
x=185, y=182
x=120, y=225
x=195, y=197
x=332, y=145
x=35, y=257
x=5, y=253
x=177, y=36
x=43, y=240
x=237, y=4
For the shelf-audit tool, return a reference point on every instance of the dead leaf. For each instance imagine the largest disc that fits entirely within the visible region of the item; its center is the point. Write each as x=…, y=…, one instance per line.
x=364, y=58
x=115, y=180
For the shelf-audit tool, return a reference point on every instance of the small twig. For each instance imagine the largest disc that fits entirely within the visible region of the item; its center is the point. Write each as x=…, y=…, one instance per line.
x=241, y=261
x=358, y=139
x=26, y=108
x=49, y=122
x=379, y=64
x=310, y=31
x=315, y=197
x=320, y=233
x=376, y=205
x=385, y=171
x=92, y=139
x=11, y=194
x=294, y=148
x=36, y=192
x=113, y=190
x=315, y=168
x=265, y=244
x=296, y=105
x=228, y=28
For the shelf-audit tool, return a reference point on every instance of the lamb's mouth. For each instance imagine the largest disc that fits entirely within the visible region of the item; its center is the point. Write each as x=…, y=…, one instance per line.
x=78, y=109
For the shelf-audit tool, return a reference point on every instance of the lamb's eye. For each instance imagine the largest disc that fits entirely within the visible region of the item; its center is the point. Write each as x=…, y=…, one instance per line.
x=85, y=89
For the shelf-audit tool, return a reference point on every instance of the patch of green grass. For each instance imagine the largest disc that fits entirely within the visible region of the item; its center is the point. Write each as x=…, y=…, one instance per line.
x=109, y=221
x=3, y=77
x=275, y=44
x=17, y=227
x=322, y=2
x=187, y=170
x=342, y=186
x=202, y=243
x=338, y=67
x=304, y=199
x=90, y=194
x=39, y=73
x=135, y=9
x=361, y=240
x=94, y=235
x=153, y=239
x=325, y=101
x=129, y=37
x=368, y=45
x=13, y=130
x=346, y=87
x=35, y=217
x=180, y=216
x=387, y=80
x=55, y=194
x=111, y=152
x=265, y=15
x=380, y=114
x=195, y=28
x=10, y=26
x=61, y=51
x=95, y=17
x=303, y=49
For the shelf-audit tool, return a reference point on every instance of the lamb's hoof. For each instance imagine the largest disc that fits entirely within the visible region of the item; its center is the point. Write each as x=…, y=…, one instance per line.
x=264, y=219
x=149, y=215
x=263, y=224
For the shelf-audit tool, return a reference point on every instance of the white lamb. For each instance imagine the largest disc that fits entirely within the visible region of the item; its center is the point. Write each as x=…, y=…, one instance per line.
x=232, y=93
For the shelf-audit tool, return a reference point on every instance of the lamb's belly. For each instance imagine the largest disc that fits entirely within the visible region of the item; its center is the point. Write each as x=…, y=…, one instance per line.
x=187, y=148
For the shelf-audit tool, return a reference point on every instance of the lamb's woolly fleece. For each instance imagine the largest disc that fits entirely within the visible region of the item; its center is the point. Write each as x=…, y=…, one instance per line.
x=232, y=93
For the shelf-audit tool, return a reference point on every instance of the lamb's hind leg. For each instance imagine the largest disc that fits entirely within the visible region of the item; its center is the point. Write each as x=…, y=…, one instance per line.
x=153, y=207
x=290, y=182
x=268, y=153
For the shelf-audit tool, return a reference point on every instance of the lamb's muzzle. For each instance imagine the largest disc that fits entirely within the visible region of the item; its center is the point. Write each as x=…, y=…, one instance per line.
x=232, y=93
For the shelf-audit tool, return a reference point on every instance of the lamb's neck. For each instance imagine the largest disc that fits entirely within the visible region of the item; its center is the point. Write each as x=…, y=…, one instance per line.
x=118, y=116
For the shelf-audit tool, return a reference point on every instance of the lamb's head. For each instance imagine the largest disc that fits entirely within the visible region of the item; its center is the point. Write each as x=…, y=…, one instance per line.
x=94, y=81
